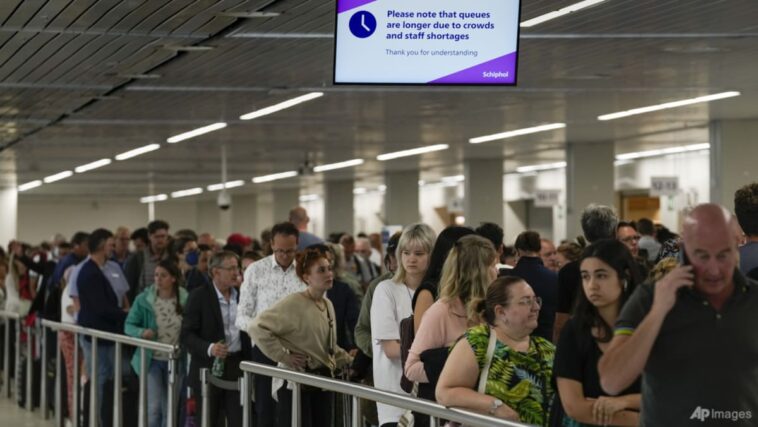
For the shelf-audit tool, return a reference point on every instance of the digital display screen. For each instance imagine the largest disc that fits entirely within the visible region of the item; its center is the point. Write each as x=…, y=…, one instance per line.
x=444, y=42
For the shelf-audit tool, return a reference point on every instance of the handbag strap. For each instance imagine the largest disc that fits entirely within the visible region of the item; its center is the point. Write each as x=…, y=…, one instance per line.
x=487, y=361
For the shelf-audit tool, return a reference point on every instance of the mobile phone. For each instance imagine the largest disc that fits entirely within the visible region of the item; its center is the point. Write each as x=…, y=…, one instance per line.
x=684, y=260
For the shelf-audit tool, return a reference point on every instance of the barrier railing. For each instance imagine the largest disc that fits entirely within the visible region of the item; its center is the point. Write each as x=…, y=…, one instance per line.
x=7, y=316
x=356, y=391
x=119, y=341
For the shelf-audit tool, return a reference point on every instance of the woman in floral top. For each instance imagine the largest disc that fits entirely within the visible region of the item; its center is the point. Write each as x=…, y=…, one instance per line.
x=518, y=376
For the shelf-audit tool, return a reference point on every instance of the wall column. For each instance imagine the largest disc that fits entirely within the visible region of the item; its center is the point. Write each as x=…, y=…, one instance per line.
x=401, y=199
x=339, y=212
x=284, y=200
x=733, y=154
x=483, y=195
x=589, y=179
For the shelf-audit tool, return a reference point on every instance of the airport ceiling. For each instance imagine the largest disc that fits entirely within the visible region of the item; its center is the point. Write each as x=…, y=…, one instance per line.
x=82, y=80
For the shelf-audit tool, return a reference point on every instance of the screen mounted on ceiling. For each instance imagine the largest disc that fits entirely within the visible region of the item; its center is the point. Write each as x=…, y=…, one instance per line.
x=440, y=42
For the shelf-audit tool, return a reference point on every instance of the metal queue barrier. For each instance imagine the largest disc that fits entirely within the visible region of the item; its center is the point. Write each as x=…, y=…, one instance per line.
x=7, y=317
x=119, y=341
x=435, y=411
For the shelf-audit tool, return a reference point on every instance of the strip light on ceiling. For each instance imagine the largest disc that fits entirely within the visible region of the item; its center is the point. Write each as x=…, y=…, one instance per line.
x=308, y=197
x=517, y=132
x=339, y=165
x=560, y=12
x=663, y=151
x=274, y=176
x=667, y=105
x=230, y=184
x=57, y=177
x=155, y=198
x=94, y=165
x=542, y=167
x=281, y=106
x=29, y=185
x=196, y=132
x=137, y=151
x=412, y=152
x=185, y=193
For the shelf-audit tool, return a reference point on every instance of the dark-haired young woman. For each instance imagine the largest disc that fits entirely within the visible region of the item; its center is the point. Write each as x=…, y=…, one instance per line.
x=609, y=275
x=157, y=315
x=498, y=368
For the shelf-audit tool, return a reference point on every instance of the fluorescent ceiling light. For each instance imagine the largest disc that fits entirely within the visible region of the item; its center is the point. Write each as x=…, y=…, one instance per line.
x=137, y=151
x=453, y=179
x=94, y=165
x=667, y=105
x=197, y=132
x=359, y=190
x=230, y=184
x=185, y=193
x=542, y=167
x=274, y=176
x=155, y=198
x=57, y=177
x=281, y=106
x=340, y=165
x=412, y=152
x=663, y=151
x=560, y=12
x=517, y=132
x=29, y=185
x=308, y=197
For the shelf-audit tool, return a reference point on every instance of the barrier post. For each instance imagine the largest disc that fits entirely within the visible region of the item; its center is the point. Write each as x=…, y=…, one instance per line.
x=43, y=375
x=29, y=369
x=6, y=357
x=356, y=417
x=142, y=387
x=296, y=395
x=58, y=386
x=245, y=396
x=205, y=397
x=118, y=419
x=93, y=380
x=76, y=382
x=171, y=398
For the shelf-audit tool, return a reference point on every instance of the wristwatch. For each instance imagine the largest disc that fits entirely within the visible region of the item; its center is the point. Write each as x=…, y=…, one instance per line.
x=494, y=405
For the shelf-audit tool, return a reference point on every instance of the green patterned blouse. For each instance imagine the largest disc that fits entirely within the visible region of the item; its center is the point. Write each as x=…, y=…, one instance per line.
x=520, y=380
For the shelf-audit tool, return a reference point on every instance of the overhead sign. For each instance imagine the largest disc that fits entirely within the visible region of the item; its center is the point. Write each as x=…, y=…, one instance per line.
x=664, y=186
x=547, y=198
x=442, y=42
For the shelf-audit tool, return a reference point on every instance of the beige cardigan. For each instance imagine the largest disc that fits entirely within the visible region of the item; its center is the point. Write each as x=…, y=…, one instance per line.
x=296, y=325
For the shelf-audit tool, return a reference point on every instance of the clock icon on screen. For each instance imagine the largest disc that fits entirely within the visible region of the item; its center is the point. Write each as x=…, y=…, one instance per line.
x=362, y=24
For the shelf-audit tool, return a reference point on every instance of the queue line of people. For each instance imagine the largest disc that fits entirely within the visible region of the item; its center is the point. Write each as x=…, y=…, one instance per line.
x=479, y=338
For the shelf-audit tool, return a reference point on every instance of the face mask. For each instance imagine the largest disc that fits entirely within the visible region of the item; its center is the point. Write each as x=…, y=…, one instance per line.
x=192, y=258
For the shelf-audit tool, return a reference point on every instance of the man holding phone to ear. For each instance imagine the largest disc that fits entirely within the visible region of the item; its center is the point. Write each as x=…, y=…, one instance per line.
x=692, y=335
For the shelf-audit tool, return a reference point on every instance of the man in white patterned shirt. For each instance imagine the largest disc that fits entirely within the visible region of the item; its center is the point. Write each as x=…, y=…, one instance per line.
x=265, y=283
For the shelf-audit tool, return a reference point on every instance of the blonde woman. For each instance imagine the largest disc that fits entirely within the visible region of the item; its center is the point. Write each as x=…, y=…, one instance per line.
x=391, y=304
x=468, y=270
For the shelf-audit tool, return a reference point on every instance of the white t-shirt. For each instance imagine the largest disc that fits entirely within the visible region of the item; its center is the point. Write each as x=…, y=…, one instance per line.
x=391, y=304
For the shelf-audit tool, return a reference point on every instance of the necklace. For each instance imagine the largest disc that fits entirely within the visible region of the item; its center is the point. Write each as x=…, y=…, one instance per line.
x=315, y=301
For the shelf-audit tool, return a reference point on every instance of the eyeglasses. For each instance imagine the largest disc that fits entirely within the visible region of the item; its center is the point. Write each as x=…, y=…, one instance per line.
x=631, y=239
x=233, y=268
x=285, y=251
x=530, y=301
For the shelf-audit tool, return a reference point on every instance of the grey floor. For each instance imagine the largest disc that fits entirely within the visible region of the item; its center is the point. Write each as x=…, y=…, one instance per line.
x=13, y=416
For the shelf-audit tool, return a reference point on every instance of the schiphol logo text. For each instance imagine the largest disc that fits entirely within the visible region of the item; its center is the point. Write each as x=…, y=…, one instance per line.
x=703, y=414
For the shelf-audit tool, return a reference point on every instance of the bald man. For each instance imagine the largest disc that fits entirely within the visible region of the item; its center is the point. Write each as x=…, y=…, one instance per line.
x=691, y=335
x=299, y=217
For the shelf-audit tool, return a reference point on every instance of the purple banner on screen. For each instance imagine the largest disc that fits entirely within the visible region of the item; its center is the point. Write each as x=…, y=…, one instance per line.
x=345, y=5
x=500, y=70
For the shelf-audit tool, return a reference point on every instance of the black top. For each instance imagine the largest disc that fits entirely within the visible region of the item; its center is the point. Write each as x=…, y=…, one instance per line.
x=346, y=310
x=576, y=359
x=702, y=358
x=425, y=286
x=545, y=285
x=569, y=281
x=99, y=304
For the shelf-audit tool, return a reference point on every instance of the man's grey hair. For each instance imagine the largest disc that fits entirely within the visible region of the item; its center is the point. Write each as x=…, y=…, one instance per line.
x=217, y=260
x=599, y=222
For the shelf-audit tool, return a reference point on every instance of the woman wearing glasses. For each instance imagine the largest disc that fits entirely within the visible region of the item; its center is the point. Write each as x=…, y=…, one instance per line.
x=299, y=332
x=609, y=275
x=498, y=368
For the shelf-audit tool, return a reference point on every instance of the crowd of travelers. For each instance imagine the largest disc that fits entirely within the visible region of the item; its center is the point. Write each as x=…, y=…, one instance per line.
x=629, y=324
